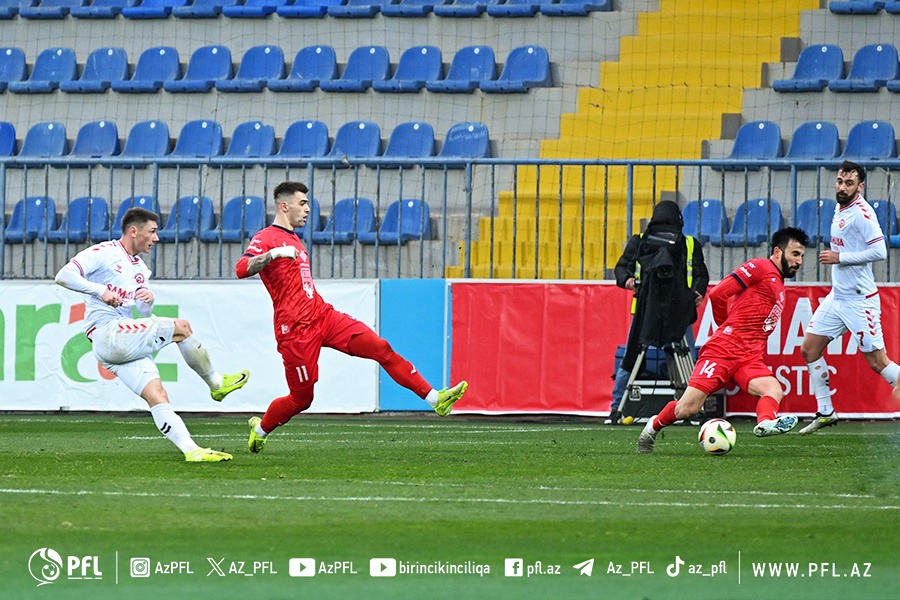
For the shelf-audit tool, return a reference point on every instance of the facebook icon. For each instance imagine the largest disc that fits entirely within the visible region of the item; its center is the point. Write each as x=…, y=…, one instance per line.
x=514, y=567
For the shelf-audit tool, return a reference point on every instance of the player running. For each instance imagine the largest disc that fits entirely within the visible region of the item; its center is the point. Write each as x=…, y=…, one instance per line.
x=115, y=278
x=304, y=322
x=852, y=304
x=735, y=351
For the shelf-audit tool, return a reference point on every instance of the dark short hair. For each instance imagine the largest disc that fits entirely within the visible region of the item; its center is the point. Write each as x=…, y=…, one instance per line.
x=288, y=188
x=782, y=237
x=849, y=166
x=138, y=217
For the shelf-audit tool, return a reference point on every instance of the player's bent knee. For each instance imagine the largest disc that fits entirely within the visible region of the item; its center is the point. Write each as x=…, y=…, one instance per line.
x=182, y=330
x=302, y=398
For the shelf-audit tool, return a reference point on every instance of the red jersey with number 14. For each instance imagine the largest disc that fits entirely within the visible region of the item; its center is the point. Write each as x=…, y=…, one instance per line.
x=295, y=300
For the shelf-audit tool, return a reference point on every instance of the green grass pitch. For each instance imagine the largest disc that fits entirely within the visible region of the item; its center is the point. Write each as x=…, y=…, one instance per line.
x=783, y=517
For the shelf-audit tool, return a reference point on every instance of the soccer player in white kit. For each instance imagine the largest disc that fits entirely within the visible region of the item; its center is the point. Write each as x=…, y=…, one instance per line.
x=853, y=304
x=114, y=278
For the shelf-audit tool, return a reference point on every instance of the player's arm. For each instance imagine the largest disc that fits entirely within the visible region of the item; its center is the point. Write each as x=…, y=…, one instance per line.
x=71, y=277
x=251, y=264
x=721, y=293
x=876, y=251
x=143, y=301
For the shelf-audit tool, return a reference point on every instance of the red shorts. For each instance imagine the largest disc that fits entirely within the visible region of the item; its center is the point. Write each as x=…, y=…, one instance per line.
x=713, y=371
x=300, y=354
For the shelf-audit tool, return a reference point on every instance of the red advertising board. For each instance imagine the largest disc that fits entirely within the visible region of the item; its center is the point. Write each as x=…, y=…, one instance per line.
x=550, y=347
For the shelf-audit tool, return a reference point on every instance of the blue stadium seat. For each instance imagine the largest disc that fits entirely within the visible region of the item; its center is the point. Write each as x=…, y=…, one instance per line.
x=85, y=216
x=514, y=8
x=311, y=65
x=252, y=139
x=410, y=141
x=45, y=140
x=817, y=140
x=471, y=65
x=464, y=8
x=855, y=7
x=403, y=221
x=816, y=67
x=258, y=65
x=97, y=139
x=575, y=8
x=868, y=141
x=242, y=217
x=704, y=218
x=147, y=139
x=102, y=9
x=350, y=215
x=873, y=66
x=146, y=202
x=365, y=65
x=356, y=9
x=198, y=139
x=7, y=139
x=52, y=66
x=12, y=66
x=754, y=223
x=189, y=216
x=465, y=140
x=254, y=9
x=886, y=214
x=208, y=64
x=410, y=8
x=307, y=9
x=525, y=68
x=757, y=140
x=103, y=66
x=303, y=140
x=154, y=67
x=892, y=7
x=152, y=9
x=356, y=140
x=417, y=65
x=202, y=9
x=50, y=9
x=10, y=8
x=313, y=222
x=31, y=218
x=814, y=217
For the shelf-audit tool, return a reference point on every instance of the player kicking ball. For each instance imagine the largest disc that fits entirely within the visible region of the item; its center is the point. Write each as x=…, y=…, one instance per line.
x=305, y=323
x=748, y=305
x=114, y=278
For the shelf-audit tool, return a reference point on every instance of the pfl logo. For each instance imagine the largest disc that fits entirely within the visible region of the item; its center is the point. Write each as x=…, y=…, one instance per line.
x=45, y=566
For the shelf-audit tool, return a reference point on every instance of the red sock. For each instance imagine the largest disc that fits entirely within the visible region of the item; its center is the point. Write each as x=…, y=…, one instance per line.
x=283, y=409
x=369, y=345
x=665, y=417
x=766, y=409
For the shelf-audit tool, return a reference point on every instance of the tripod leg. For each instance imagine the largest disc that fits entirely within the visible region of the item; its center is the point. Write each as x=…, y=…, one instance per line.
x=627, y=400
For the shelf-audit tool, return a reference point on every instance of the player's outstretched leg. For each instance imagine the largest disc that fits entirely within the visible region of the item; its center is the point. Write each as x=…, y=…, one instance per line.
x=230, y=383
x=448, y=397
x=820, y=422
x=647, y=439
x=256, y=442
x=206, y=455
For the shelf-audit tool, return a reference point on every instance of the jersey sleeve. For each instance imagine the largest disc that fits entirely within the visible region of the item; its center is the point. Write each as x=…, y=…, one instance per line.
x=260, y=244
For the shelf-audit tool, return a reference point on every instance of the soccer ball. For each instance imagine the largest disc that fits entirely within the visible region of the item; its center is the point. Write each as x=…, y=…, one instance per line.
x=717, y=436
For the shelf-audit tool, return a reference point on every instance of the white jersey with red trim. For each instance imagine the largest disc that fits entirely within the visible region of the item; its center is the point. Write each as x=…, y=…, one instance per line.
x=854, y=228
x=110, y=265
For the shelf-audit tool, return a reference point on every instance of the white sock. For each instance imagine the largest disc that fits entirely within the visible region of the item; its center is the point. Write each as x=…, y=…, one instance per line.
x=171, y=426
x=259, y=431
x=891, y=373
x=819, y=381
x=197, y=358
x=432, y=398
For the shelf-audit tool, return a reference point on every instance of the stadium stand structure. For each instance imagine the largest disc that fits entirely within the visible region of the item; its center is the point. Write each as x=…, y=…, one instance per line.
x=349, y=217
x=86, y=214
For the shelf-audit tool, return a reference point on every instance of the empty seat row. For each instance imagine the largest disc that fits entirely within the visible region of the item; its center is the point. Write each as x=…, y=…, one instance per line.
x=814, y=141
x=874, y=66
x=161, y=9
x=210, y=67
x=202, y=139
x=864, y=7
x=756, y=219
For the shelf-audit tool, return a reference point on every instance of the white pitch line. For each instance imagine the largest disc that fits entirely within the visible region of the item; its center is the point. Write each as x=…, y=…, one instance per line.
x=421, y=500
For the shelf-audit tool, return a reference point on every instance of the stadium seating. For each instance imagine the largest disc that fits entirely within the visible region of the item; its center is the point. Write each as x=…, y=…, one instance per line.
x=190, y=215
x=147, y=139
x=356, y=140
x=85, y=215
x=7, y=139
x=868, y=141
x=463, y=8
x=312, y=65
x=253, y=9
x=152, y=9
x=465, y=140
x=101, y=9
x=873, y=66
x=45, y=140
x=313, y=222
x=753, y=224
x=757, y=140
x=146, y=202
x=575, y=8
x=303, y=140
x=816, y=67
x=12, y=66
x=154, y=68
x=410, y=141
x=892, y=7
x=856, y=7
x=886, y=214
x=52, y=66
x=258, y=65
x=31, y=218
x=417, y=65
x=50, y=9
x=202, y=9
x=307, y=9
x=103, y=66
x=350, y=215
x=817, y=140
x=198, y=139
x=403, y=221
x=242, y=217
x=814, y=217
x=704, y=218
x=252, y=139
x=514, y=8
x=10, y=8
x=525, y=68
x=365, y=65
x=471, y=65
x=410, y=8
x=97, y=139
x=208, y=64
x=356, y=9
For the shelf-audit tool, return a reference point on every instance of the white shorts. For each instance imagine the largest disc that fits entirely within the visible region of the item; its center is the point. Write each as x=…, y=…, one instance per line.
x=125, y=347
x=860, y=316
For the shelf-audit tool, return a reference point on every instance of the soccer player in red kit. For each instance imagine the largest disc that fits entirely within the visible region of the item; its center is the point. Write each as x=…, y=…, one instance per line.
x=304, y=322
x=735, y=351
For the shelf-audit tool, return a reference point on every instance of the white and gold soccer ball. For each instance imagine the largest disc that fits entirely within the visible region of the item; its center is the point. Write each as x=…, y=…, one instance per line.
x=717, y=436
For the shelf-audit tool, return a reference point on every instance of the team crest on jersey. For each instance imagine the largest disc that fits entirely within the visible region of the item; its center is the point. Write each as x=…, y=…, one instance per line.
x=841, y=224
x=139, y=278
x=303, y=255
